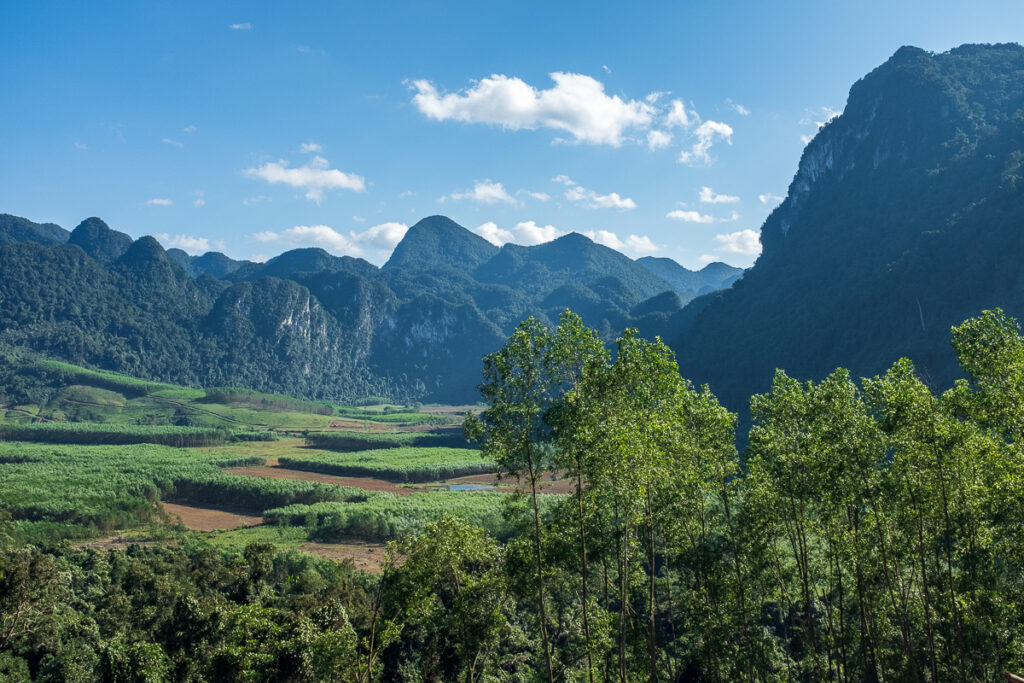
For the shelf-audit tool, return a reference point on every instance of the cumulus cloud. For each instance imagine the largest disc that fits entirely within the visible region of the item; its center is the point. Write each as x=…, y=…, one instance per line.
x=539, y=196
x=746, y=242
x=690, y=216
x=526, y=233
x=706, y=134
x=577, y=104
x=657, y=139
x=705, y=259
x=175, y=143
x=732, y=218
x=374, y=243
x=200, y=200
x=484, y=192
x=188, y=130
x=314, y=177
x=244, y=26
x=310, y=147
x=193, y=245
x=634, y=245
x=159, y=201
x=769, y=198
x=677, y=116
x=592, y=200
x=709, y=196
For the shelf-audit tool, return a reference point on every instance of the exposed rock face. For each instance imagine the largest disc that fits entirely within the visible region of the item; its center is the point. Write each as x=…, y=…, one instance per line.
x=903, y=218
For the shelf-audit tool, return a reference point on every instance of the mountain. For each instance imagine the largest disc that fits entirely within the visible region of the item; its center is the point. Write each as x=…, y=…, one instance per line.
x=307, y=322
x=16, y=229
x=689, y=284
x=904, y=217
x=438, y=241
x=97, y=240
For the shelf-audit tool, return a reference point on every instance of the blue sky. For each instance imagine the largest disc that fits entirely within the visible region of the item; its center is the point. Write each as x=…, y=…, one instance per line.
x=657, y=128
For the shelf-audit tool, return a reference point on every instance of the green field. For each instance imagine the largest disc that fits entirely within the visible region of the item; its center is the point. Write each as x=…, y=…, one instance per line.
x=396, y=464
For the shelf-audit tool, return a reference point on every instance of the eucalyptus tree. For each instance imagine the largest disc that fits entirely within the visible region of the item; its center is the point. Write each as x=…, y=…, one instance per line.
x=523, y=383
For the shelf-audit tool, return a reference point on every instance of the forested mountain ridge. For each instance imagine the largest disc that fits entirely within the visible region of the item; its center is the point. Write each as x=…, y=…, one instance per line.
x=307, y=322
x=903, y=218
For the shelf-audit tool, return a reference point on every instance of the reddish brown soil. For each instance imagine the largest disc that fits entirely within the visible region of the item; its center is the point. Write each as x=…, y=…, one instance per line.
x=549, y=483
x=208, y=518
x=277, y=472
x=366, y=556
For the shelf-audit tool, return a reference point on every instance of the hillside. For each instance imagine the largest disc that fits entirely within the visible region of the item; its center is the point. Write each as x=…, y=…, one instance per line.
x=903, y=218
x=307, y=322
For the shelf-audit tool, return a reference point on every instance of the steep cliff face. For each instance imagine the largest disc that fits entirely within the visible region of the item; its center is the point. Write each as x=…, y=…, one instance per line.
x=900, y=221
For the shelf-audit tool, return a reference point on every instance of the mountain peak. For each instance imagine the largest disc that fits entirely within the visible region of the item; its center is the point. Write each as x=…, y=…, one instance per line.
x=439, y=241
x=98, y=240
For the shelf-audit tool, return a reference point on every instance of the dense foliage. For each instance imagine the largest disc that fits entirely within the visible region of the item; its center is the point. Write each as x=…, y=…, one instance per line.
x=870, y=532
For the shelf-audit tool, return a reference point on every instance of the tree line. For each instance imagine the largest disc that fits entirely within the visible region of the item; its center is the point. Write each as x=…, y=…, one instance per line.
x=870, y=531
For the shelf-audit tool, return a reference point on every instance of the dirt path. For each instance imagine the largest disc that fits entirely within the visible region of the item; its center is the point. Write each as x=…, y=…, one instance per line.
x=276, y=472
x=210, y=518
x=366, y=556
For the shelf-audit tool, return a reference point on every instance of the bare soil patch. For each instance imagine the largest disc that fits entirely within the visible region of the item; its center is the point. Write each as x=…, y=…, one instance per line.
x=355, y=425
x=211, y=518
x=366, y=556
x=278, y=472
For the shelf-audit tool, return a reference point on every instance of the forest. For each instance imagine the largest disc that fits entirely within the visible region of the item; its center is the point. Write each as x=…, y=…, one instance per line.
x=869, y=530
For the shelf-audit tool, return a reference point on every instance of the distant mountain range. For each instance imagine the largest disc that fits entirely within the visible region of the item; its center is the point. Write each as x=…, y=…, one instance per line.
x=310, y=323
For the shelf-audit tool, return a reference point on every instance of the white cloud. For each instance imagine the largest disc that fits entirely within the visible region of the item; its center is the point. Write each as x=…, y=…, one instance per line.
x=689, y=216
x=244, y=26
x=606, y=69
x=79, y=145
x=484, y=192
x=577, y=104
x=655, y=96
x=159, y=201
x=733, y=217
x=314, y=177
x=677, y=115
x=708, y=196
x=310, y=147
x=706, y=133
x=493, y=234
x=407, y=193
x=705, y=259
x=258, y=199
x=358, y=219
x=374, y=243
x=746, y=242
x=193, y=245
x=591, y=199
x=539, y=196
x=529, y=233
x=322, y=236
x=634, y=245
x=188, y=130
x=526, y=233
x=200, y=200
x=656, y=139
x=769, y=198
x=737, y=107
x=169, y=141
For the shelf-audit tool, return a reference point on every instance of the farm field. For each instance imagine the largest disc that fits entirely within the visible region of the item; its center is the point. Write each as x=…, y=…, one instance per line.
x=108, y=461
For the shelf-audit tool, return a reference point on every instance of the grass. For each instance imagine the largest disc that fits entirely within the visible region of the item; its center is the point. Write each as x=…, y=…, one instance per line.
x=403, y=465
